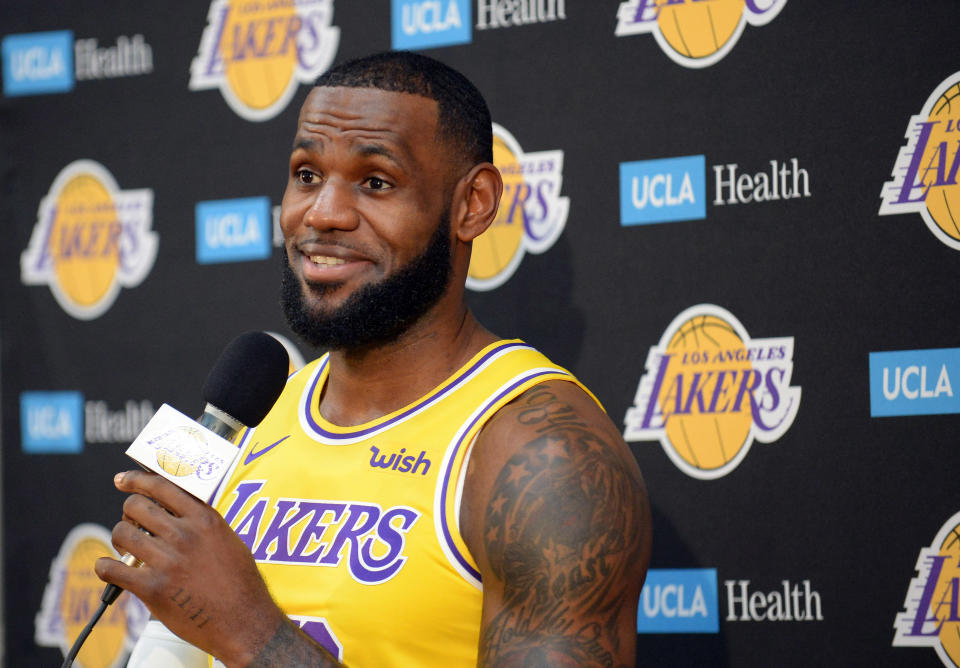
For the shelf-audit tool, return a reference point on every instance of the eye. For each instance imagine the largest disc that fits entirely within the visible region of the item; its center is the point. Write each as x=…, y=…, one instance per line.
x=376, y=183
x=306, y=177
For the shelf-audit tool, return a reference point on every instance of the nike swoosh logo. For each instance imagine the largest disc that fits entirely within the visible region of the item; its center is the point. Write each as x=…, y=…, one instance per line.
x=254, y=454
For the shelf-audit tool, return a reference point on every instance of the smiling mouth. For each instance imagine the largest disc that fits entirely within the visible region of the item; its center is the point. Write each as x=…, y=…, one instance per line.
x=326, y=260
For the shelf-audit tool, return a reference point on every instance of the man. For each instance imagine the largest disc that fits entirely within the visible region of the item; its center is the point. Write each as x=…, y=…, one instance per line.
x=423, y=455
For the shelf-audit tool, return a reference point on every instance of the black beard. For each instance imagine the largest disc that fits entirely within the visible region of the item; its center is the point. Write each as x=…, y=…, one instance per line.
x=375, y=314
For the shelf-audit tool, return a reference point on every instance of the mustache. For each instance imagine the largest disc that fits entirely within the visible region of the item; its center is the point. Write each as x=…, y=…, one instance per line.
x=302, y=242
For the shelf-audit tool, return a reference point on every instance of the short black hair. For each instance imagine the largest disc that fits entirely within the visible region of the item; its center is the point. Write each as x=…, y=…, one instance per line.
x=463, y=118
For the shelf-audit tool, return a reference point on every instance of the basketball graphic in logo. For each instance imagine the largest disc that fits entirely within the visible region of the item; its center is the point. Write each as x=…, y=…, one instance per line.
x=710, y=390
x=498, y=247
x=705, y=438
x=926, y=172
x=258, y=81
x=531, y=216
x=183, y=451
x=256, y=52
x=699, y=30
x=90, y=239
x=72, y=596
x=931, y=606
x=943, y=605
x=694, y=33
x=940, y=166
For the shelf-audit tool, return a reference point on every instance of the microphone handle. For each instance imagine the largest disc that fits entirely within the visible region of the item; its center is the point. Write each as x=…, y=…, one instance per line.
x=220, y=423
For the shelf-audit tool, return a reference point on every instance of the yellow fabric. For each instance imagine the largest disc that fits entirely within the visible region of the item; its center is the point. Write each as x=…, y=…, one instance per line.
x=371, y=553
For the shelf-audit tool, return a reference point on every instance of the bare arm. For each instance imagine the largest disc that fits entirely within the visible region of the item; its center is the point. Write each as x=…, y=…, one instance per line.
x=200, y=580
x=555, y=512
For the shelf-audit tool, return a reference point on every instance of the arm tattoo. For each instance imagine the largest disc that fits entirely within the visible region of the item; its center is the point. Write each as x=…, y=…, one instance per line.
x=562, y=532
x=291, y=647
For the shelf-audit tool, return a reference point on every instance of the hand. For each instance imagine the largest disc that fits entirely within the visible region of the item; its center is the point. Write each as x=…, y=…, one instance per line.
x=197, y=576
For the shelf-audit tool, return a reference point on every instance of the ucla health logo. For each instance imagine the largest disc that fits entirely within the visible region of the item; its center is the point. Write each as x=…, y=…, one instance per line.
x=532, y=213
x=233, y=230
x=664, y=190
x=421, y=24
x=257, y=52
x=694, y=33
x=930, y=616
x=925, y=173
x=73, y=593
x=90, y=239
x=667, y=190
x=51, y=422
x=710, y=390
x=679, y=601
x=50, y=62
x=914, y=382
x=40, y=62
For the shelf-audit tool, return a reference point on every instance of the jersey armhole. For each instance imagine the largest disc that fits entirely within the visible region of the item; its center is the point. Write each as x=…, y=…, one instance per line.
x=453, y=475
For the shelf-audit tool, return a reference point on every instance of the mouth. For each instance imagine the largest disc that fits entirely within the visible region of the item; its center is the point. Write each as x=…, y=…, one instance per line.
x=326, y=260
x=330, y=264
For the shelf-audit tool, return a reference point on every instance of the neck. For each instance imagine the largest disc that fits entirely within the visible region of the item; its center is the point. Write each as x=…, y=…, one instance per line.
x=366, y=384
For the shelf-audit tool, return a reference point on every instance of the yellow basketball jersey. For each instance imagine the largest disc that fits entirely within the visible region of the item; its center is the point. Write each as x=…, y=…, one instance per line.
x=356, y=529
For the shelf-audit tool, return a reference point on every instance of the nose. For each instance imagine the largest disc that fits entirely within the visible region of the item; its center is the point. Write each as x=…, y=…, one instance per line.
x=332, y=207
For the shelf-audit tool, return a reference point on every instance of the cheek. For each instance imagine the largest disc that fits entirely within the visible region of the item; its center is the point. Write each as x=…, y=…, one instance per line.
x=291, y=213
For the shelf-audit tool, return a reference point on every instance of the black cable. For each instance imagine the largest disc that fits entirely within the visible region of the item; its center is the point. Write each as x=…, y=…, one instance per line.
x=72, y=654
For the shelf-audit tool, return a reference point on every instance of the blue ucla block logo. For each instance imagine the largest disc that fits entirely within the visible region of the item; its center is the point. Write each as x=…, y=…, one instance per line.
x=233, y=230
x=420, y=24
x=663, y=190
x=679, y=601
x=51, y=422
x=35, y=63
x=914, y=382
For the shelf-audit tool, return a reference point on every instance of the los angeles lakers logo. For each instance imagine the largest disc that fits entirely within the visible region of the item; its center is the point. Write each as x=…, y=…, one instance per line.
x=183, y=451
x=90, y=239
x=695, y=33
x=73, y=595
x=532, y=213
x=257, y=52
x=925, y=173
x=710, y=390
x=931, y=608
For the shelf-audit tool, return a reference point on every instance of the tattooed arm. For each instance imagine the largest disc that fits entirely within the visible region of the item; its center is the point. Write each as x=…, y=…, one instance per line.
x=555, y=512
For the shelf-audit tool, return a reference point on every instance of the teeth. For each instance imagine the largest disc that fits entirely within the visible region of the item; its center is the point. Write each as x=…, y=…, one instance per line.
x=326, y=260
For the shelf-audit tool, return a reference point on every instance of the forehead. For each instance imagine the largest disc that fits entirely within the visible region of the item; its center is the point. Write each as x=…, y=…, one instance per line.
x=403, y=119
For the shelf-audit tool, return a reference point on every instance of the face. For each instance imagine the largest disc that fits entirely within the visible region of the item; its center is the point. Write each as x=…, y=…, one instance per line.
x=365, y=217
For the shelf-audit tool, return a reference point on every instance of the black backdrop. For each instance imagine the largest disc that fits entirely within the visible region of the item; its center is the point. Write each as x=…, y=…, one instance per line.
x=842, y=501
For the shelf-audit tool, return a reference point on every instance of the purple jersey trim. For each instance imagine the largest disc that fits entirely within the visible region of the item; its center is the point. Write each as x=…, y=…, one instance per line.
x=482, y=414
x=457, y=381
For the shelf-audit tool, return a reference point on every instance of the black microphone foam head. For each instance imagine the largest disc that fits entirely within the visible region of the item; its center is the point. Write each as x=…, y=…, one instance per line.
x=248, y=378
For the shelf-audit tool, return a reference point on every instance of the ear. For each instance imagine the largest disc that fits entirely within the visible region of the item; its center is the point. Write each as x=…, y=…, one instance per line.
x=477, y=200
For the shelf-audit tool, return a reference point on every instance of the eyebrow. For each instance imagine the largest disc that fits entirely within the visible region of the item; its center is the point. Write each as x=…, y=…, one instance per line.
x=364, y=150
x=308, y=145
x=367, y=150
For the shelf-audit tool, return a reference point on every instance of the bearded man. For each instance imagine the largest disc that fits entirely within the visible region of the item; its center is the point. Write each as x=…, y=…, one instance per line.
x=425, y=493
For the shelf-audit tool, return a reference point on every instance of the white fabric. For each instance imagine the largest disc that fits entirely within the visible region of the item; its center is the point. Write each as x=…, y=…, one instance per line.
x=158, y=647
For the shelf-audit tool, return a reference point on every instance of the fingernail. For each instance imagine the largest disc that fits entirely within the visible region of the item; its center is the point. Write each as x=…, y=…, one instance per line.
x=118, y=479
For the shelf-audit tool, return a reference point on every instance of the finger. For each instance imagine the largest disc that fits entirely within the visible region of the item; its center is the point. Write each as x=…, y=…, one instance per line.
x=126, y=538
x=148, y=515
x=135, y=580
x=162, y=491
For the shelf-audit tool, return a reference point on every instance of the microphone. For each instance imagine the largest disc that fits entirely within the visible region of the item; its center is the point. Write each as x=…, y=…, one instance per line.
x=239, y=391
x=243, y=385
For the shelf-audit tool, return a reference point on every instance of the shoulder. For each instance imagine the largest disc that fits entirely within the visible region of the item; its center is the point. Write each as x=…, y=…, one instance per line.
x=555, y=512
x=554, y=440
